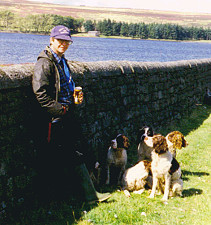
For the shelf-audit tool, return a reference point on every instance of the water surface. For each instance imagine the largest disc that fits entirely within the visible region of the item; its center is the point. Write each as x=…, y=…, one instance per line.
x=24, y=48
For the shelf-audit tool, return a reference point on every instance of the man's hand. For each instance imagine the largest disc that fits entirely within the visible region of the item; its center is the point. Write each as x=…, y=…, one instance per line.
x=80, y=97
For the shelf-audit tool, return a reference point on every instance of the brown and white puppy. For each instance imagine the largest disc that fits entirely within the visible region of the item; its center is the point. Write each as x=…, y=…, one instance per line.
x=175, y=140
x=144, y=151
x=166, y=171
x=117, y=159
x=137, y=178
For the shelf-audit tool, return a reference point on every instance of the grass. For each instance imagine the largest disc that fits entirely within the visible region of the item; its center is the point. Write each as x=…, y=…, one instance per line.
x=193, y=208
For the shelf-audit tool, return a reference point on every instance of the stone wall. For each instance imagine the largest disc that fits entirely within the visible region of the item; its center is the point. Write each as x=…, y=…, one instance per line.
x=119, y=98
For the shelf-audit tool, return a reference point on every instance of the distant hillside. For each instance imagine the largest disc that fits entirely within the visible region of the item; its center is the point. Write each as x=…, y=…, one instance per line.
x=24, y=7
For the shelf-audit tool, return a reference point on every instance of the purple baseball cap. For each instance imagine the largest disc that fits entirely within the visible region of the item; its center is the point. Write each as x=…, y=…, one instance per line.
x=61, y=32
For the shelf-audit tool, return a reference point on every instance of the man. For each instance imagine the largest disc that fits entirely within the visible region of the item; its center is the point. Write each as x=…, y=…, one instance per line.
x=53, y=86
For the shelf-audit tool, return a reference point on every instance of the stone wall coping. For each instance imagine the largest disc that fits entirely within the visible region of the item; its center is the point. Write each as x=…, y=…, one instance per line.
x=13, y=76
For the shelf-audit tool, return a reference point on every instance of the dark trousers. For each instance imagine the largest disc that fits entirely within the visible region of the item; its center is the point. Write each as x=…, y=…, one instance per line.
x=58, y=158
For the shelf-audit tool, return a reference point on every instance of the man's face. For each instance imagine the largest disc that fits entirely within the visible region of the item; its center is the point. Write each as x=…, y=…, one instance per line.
x=59, y=46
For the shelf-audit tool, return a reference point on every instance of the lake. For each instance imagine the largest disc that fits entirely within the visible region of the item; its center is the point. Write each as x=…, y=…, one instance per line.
x=24, y=48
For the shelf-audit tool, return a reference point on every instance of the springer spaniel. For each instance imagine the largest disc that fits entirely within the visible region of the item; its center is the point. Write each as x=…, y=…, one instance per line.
x=166, y=171
x=117, y=159
x=144, y=151
x=137, y=178
x=175, y=140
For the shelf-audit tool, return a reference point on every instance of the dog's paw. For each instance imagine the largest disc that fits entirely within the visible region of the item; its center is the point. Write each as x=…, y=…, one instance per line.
x=139, y=192
x=165, y=199
x=152, y=195
x=127, y=193
x=165, y=202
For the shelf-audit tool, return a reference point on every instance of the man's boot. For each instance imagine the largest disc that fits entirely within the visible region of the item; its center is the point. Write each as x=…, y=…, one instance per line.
x=91, y=195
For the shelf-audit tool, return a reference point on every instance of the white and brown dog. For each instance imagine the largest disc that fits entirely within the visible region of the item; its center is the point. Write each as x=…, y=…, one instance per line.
x=137, y=178
x=144, y=151
x=117, y=159
x=175, y=140
x=166, y=171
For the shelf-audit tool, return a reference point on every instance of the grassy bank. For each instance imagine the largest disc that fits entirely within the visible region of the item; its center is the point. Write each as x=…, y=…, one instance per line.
x=193, y=208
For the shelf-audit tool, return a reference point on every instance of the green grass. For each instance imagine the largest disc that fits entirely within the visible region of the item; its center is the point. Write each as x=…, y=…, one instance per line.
x=193, y=208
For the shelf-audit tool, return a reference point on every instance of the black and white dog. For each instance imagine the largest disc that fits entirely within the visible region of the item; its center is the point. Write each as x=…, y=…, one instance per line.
x=144, y=151
x=117, y=159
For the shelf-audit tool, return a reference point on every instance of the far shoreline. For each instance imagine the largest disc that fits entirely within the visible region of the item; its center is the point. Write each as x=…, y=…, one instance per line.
x=113, y=37
x=135, y=38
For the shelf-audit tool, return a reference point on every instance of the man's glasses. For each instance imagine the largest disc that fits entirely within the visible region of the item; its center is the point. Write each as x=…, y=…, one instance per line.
x=64, y=42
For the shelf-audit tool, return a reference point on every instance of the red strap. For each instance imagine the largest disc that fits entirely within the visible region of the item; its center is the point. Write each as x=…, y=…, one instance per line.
x=64, y=108
x=49, y=132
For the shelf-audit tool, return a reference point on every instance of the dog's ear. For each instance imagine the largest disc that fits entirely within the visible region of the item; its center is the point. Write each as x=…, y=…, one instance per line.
x=126, y=142
x=139, y=135
x=120, y=141
x=178, y=141
x=160, y=144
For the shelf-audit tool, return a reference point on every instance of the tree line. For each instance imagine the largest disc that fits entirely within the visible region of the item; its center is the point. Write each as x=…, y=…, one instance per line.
x=148, y=31
x=40, y=23
x=43, y=23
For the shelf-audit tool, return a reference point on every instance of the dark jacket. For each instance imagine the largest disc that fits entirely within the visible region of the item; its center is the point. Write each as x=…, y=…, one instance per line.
x=46, y=84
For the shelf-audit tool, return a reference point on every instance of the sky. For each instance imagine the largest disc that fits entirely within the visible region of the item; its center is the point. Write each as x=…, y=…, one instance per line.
x=196, y=6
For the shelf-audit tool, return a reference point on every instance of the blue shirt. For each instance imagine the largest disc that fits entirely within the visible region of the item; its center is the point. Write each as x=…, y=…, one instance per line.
x=67, y=84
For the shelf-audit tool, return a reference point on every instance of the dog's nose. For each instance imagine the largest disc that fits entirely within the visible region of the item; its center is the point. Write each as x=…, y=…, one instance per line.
x=113, y=144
